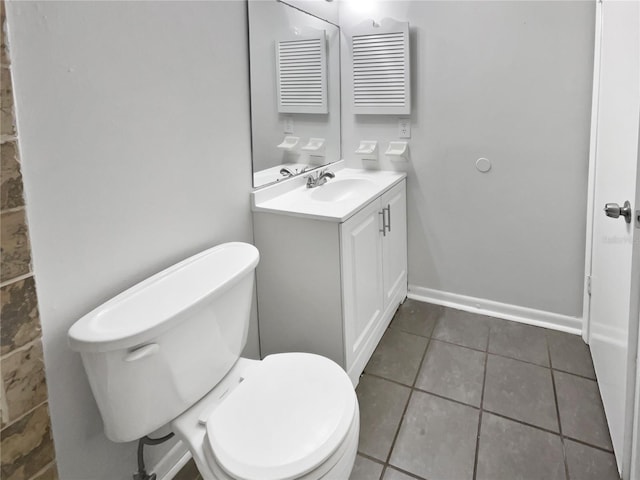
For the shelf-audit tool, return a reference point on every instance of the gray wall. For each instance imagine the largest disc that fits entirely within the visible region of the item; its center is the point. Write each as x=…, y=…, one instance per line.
x=510, y=81
x=134, y=122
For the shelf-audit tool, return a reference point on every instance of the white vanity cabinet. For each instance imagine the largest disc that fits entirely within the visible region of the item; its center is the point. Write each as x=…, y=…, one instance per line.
x=331, y=287
x=374, y=272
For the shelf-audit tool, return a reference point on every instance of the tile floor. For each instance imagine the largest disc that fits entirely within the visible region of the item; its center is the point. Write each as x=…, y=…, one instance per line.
x=451, y=395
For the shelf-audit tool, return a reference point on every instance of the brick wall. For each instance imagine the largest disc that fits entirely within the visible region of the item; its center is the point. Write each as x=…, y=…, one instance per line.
x=27, y=450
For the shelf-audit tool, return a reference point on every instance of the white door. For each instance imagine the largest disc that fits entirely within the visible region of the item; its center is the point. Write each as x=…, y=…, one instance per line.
x=362, y=277
x=394, y=245
x=612, y=330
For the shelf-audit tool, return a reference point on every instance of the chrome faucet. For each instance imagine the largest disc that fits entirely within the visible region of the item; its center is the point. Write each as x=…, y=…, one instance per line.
x=287, y=172
x=319, y=177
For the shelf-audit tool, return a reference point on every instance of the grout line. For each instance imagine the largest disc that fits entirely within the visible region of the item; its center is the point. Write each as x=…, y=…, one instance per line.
x=23, y=348
x=574, y=374
x=458, y=345
x=44, y=469
x=475, y=407
x=582, y=442
x=28, y=412
x=4, y=138
x=484, y=383
x=418, y=389
x=395, y=436
x=406, y=407
x=406, y=472
x=555, y=400
x=415, y=379
x=519, y=360
x=400, y=329
x=388, y=380
x=521, y=422
x=369, y=457
x=14, y=209
x=17, y=279
x=383, y=472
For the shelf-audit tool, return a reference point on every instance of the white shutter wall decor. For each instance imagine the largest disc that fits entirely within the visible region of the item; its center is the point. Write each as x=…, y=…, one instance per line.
x=301, y=65
x=381, y=69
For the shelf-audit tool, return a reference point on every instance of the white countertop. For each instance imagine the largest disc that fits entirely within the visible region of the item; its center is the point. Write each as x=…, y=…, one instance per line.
x=344, y=195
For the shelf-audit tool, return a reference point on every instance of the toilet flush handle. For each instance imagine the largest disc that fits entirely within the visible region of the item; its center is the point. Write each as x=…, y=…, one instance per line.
x=142, y=352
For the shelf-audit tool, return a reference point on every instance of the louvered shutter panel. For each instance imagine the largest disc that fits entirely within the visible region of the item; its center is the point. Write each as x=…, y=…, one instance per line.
x=302, y=75
x=381, y=69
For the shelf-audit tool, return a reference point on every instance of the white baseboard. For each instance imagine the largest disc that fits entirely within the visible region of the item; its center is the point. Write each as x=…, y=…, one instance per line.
x=169, y=465
x=530, y=316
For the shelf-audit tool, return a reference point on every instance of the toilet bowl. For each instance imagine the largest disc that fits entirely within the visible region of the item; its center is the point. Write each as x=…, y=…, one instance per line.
x=167, y=351
x=293, y=415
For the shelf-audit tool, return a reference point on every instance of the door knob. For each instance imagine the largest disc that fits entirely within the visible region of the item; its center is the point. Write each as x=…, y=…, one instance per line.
x=614, y=210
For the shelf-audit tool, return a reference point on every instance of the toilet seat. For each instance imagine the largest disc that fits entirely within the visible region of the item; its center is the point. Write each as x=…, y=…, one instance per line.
x=338, y=466
x=285, y=419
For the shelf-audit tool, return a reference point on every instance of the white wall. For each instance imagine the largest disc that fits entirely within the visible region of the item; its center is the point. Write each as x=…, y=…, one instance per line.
x=510, y=81
x=134, y=123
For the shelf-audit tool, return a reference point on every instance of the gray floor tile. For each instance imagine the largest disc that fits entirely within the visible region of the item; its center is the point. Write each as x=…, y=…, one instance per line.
x=398, y=356
x=381, y=406
x=416, y=317
x=586, y=463
x=570, y=353
x=521, y=391
x=519, y=341
x=453, y=371
x=393, y=474
x=512, y=451
x=365, y=469
x=188, y=472
x=462, y=328
x=581, y=411
x=437, y=439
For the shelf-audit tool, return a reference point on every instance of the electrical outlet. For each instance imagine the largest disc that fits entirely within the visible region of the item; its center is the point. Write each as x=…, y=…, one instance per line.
x=288, y=124
x=404, y=128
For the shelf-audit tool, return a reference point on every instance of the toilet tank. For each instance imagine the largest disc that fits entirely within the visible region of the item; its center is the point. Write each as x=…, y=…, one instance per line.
x=154, y=350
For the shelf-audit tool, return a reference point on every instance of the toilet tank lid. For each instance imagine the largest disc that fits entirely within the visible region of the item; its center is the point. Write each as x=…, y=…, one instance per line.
x=154, y=305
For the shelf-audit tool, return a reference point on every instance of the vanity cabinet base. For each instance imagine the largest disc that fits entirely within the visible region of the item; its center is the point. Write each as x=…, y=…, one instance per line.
x=332, y=288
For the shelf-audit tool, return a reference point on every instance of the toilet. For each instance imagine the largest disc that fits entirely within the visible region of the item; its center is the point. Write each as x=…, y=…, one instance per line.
x=167, y=352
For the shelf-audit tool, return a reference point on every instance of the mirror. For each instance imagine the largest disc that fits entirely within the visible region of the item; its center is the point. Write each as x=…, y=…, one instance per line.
x=295, y=91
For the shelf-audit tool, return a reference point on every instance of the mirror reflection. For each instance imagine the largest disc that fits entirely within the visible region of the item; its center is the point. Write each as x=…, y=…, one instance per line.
x=295, y=91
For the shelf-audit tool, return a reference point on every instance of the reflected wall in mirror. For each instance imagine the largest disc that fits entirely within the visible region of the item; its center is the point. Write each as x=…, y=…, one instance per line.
x=295, y=91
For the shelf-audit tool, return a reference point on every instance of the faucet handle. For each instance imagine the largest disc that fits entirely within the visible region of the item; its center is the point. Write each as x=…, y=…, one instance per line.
x=310, y=180
x=286, y=172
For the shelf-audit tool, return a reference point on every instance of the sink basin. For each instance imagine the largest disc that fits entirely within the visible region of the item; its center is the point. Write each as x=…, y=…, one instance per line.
x=342, y=189
x=335, y=201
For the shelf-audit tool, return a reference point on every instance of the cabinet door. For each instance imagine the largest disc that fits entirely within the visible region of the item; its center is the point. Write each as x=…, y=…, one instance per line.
x=362, y=279
x=394, y=244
